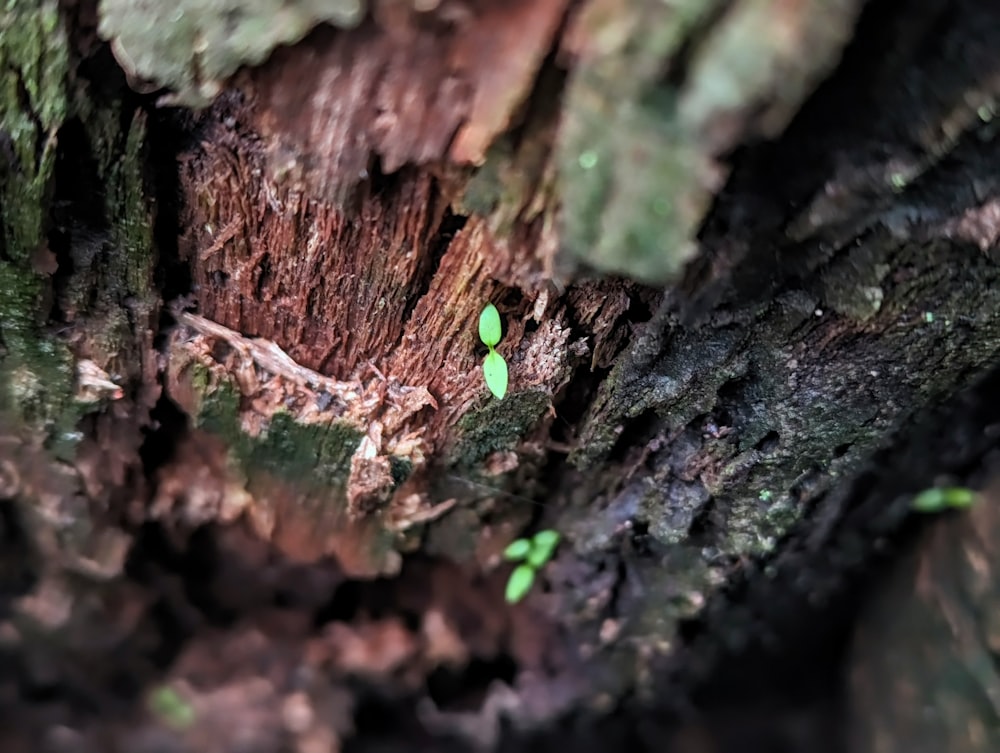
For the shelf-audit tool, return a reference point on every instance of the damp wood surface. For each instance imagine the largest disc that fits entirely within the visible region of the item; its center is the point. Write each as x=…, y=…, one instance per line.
x=249, y=466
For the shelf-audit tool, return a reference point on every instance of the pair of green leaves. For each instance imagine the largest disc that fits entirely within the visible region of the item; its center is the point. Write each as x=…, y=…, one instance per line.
x=494, y=367
x=533, y=554
x=938, y=500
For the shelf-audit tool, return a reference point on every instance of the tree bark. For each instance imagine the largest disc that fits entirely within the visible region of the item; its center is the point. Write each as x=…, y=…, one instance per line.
x=737, y=248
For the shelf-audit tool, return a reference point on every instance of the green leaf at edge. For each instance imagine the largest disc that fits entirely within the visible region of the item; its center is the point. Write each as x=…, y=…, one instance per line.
x=937, y=499
x=520, y=582
x=959, y=497
x=489, y=325
x=495, y=373
x=517, y=549
x=171, y=708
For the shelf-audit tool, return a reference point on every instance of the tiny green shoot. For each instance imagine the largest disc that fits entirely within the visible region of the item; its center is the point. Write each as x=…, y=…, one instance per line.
x=520, y=583
x=494, y=367
x=167, y=704
x=542, y=547
x=489, y=326
x=517, y=550
x=533, y=554
x=940, y=499
x=495, y=373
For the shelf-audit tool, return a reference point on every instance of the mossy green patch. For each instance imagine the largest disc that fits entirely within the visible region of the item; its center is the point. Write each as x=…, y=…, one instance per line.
x=133, y=226
x=498, y=426
x=631, y=172
x=33, y=104
x=308, y=455
x=192, y=46
x=34, y=61
x=36, y=371
x=36, y=375
x=630, y=203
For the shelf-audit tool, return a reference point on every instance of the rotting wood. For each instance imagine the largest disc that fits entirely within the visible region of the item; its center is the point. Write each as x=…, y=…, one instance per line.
x=395, y=280
x=249, y=219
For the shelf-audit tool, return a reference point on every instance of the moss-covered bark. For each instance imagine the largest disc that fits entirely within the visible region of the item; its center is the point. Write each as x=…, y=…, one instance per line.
x=77, y=310
x=36, y=375
x=107, y=258
x=320, y=375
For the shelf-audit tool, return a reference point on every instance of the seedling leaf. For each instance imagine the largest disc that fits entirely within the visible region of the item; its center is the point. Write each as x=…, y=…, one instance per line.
x=495, y=372
x=489, y=325
x=937, y=500
x=542, y=546
x=520, y=583
x=517, y=550
x=959, y=497
x=171, y=708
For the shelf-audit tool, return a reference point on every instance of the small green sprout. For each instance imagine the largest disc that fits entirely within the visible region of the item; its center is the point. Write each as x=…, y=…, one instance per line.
x=494, y=367
x=520, y=583
x=517, y=550
x=167, y=704
x=543, y=546
x=495, y=372
x=489, y=326
x=938, y=500
x=533, y=554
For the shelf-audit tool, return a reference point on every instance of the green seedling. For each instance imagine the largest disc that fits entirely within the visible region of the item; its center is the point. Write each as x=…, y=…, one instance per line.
x=489, y=326
x=167, y=704
x=543, y=546
x=938, y=500
x=533, y=554
x=517, y=550
x=495, y=372
x=494, y=367
x=520, y=582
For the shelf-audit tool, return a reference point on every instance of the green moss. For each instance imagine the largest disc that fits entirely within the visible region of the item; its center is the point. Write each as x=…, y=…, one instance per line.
x=192, y=46
x=110, y=291
x=313, y=461
x=22, y=292
x=631, y=171
x=33, y=62
x=307, y=455
x=126, y=266
x=499, y=425
x=134, y=226
x=36, y=383
x=36, y=371
x=631, y=205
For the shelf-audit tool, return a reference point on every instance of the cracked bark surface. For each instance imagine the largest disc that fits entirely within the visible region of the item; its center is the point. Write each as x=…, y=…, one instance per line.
x=255, y=488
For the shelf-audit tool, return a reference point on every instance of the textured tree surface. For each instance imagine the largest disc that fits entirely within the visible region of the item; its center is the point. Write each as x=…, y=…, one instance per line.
x=922, y=670
x=254, y=492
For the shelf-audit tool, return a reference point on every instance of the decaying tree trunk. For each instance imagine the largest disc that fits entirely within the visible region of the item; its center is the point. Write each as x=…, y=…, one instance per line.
x=249, y=467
